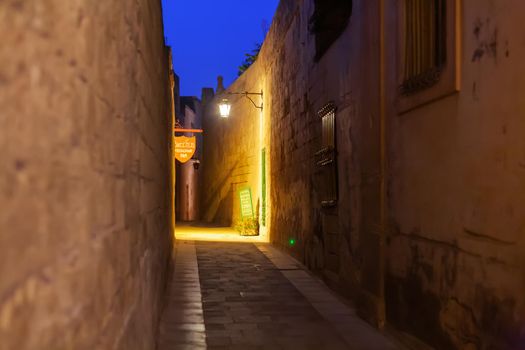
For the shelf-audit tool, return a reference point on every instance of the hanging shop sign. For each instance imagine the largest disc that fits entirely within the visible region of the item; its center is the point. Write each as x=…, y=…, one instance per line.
x=185, y=148
x=245, y=199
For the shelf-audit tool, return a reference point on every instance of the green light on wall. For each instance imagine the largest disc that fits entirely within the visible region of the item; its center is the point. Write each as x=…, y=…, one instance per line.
x=292, y=242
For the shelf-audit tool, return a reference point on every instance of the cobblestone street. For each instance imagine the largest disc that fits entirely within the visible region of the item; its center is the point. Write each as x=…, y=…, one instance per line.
x=252, y=296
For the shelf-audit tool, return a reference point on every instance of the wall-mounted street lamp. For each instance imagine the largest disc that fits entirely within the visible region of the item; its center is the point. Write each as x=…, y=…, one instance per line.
x=225, y=108
x=225, y=105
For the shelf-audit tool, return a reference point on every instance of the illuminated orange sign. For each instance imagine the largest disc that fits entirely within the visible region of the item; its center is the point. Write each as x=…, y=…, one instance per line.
x=185, y=148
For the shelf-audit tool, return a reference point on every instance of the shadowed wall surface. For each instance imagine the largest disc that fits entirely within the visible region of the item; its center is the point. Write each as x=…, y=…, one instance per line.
x=456, y=241
x=84, y=140
x=444, y=260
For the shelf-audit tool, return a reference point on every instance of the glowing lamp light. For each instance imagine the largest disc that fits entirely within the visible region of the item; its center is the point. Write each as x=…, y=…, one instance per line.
x=292, y=242
x=225, y=108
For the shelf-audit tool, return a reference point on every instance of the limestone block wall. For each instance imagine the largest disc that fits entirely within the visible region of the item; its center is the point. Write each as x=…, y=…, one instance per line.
x=340, y=243
x=231, y=153
x=84, y=188
x=295, y=88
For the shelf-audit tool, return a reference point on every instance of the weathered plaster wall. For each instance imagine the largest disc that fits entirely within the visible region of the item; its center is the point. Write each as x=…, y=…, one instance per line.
x=456, y=192
x=449, y=266
x=84, y=191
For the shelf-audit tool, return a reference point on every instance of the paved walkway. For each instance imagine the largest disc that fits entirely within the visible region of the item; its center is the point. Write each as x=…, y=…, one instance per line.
x=252, y=296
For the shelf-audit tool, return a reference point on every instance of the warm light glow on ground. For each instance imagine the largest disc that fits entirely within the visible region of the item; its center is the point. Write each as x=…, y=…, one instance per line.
x=190, y=232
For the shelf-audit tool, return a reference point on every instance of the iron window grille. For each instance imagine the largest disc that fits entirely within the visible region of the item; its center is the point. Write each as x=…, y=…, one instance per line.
x=327, y=156
x=425, y=51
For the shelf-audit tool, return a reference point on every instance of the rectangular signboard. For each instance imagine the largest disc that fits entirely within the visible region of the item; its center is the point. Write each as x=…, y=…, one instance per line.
x=245, y=198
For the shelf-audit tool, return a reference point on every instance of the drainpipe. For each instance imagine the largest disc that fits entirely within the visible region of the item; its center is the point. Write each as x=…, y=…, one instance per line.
x=383, y=150
x=172, y=145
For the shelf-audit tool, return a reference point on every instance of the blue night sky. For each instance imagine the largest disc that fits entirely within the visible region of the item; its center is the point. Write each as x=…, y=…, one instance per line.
x=210, y=37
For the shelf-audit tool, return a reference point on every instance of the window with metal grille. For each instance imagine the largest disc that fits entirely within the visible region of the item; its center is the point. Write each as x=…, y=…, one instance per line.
x=327, y=156
x=425, y=49
x=328, y=22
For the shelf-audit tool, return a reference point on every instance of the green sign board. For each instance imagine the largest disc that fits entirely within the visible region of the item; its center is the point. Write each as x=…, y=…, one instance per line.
x=245, y=197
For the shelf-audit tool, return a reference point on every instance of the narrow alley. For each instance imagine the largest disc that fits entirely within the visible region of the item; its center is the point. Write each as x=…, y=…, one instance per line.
x=252, y=296
x=263, y=174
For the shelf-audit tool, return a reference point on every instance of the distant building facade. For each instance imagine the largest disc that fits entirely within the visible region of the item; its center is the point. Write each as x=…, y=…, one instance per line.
x=187, y=196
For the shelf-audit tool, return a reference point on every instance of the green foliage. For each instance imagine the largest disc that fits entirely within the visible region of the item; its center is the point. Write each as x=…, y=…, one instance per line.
x=248, y=227
x=250, y=59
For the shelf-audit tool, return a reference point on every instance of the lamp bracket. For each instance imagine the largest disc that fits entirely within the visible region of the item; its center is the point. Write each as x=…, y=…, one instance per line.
x=247, y=95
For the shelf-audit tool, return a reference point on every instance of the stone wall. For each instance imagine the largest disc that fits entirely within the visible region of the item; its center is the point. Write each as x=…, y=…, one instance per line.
x=295, y=88
x=84, y=193
x=342, y=243
x=455, y=252
x=231, y=153
x=428, y=231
